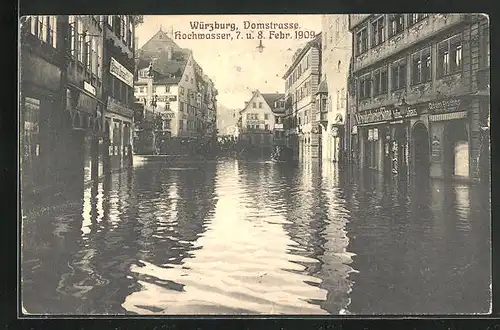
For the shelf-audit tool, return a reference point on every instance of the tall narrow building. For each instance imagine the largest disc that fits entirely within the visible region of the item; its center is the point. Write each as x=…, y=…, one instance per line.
x=332, y=92
x=302, y=115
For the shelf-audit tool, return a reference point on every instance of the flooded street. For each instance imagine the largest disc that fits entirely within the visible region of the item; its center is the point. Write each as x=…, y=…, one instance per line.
x=233, y=237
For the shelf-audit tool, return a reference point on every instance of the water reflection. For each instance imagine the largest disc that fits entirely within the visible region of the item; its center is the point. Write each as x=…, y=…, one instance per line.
x=232, y=237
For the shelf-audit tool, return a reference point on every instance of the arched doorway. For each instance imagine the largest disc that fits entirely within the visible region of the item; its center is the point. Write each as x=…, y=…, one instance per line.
x=457, y=150
x=420, y=139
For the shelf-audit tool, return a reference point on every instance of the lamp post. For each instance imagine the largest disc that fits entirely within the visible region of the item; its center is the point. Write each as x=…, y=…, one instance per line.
x=260, y=47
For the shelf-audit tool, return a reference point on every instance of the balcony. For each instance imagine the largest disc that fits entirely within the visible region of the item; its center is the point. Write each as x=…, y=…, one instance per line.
x=483, y=81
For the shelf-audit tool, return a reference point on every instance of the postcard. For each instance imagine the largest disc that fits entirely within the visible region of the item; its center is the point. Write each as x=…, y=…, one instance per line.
x=334, y=164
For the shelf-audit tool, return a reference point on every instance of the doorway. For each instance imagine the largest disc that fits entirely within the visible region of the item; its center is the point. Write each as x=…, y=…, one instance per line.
x=457, y=150
x=420, y=139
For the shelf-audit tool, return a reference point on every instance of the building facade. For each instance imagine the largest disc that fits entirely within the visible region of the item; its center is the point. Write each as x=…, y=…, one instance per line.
x=119, y=65
x=41, y=102
x=414, y=93
x=84, y=93
x=257, y=122
x=172, y=85
x=302, y=114
x=332, y=93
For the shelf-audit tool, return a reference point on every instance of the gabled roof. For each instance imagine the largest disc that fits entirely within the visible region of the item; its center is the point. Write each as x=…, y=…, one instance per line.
x=272, y=98
x=158, y=48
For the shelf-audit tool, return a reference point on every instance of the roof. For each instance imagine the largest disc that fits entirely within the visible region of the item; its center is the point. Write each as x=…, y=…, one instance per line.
x=157, y=48
x=303, y=51
x=323, y=87
x=272, y=98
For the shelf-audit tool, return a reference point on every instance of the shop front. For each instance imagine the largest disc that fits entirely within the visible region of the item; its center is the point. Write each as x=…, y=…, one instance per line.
x=84, y=120
x=40, y=104
x=450, y=139
x=118, y=130
x=372, y=130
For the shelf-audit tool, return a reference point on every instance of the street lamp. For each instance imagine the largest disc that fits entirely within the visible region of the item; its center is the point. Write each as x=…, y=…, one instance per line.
x=260, y=47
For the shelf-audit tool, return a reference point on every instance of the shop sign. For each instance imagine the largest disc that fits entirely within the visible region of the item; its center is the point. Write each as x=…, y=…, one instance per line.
x=117, y=107
x=354, y=129
x=444, y=106
x=411, y=112
x=436, y=150
x=372, y=116
x=120, y=72
x=278, y=126
x=89, y=88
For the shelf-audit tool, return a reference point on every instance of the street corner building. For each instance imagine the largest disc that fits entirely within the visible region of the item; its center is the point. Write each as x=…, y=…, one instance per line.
x=418, y=100
x=302, y=117
x=76, y=91
x=177, y=99
x=261, y=122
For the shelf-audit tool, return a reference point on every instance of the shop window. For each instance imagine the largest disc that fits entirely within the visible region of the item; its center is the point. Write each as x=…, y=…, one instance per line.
x=365, y=87
x=396, y=24
x=398, y=79
x=415, y=18
x=378, y=31
x=421, y=66
x=450, y=56
x=362, y=41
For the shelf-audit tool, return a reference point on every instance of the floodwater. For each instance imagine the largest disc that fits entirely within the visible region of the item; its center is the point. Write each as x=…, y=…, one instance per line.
x=256, y=237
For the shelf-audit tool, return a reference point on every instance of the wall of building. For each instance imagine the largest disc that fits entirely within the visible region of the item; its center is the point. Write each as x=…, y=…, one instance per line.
x=433, y=100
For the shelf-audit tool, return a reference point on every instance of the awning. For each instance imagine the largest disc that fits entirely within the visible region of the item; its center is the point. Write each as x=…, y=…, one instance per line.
x=448, y=116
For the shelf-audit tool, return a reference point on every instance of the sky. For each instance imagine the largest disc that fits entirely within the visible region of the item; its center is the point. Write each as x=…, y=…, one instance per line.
x=236, y=67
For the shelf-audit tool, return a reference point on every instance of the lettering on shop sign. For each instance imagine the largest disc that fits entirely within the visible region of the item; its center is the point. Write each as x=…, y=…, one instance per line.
x=436, y=150
x=89, y=88
x=372, y=116
x=120, y=72
x=450, y=105
x=411, y=112
x=117, y=107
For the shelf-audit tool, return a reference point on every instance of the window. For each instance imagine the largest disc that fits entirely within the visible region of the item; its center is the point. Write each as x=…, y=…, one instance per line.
x=342, y=98
x=396, y=24
x=365, y=86
x=110, y=20
x=71, y=33
x=129, y=34
x=380, y=81
x=254, y=105
x=181, y=90
x=338, y=99
x=88, y=53
x=378, y=35
x=187, y=78
x=266, y=127
x=260, y=105
x=398, y=78
x=192, y=80
x=44, y=28
x=421, y=66
x=266, y=116
x=181, y=124
x=450, y=56
x=362, y=41
x=249, y=126
x=99, y=60
x=167, y=89
x=415, y=18
x=485, y=47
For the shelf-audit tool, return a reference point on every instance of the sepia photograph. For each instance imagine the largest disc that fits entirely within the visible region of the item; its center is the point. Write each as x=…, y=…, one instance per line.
x=326, y=164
